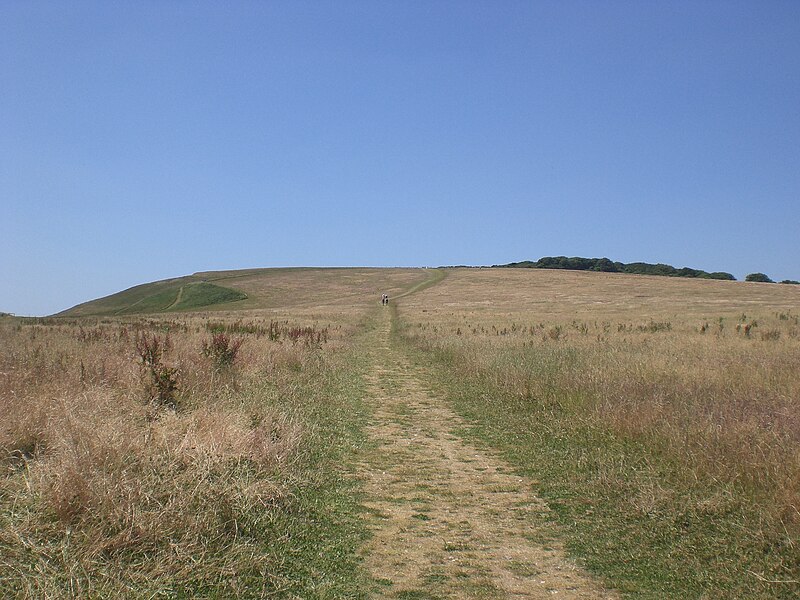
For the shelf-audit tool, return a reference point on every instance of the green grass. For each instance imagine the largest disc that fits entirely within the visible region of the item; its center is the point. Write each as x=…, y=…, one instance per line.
x=315, y=553
x=182, y=294
x=624, y=510
x=191, y=296
x=200, y=295
x=159, y=295
x=158, y=302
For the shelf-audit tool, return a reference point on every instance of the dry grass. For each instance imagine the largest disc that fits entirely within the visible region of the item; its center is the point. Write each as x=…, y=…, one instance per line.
x=107, y=493
x=702, y=374
x=646, y=355
x=137, y=462
x=315, y=291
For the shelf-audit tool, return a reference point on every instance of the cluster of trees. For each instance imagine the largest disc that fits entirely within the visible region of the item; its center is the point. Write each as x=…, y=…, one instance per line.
x=605, y=265
x=761, y=278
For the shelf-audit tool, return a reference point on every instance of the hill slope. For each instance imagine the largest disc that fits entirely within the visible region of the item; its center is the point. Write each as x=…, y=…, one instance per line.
x=183, y=293
x=252, y=289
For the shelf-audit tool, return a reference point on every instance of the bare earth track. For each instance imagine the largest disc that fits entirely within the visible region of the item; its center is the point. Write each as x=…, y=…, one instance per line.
x=450, y=520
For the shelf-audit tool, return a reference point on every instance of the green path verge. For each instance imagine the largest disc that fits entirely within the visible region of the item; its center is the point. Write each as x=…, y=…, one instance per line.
x=317, y=549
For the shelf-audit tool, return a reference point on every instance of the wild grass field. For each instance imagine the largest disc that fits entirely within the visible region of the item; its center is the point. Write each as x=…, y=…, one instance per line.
x=288, y=444
x=660, y=416
x=188, y=455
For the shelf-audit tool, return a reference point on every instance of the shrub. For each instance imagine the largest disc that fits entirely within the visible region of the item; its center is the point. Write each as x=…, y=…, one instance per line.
x=163, y=379
x=758, y=277
x=222, y=349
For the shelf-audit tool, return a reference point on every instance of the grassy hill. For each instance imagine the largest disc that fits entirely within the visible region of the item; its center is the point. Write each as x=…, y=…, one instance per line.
x=183, y=293
x=252, y=289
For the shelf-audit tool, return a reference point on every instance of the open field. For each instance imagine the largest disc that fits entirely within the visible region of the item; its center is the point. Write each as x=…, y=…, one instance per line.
x=139, y=462
x=223, y=487
x=661, y=416
x=492, y=433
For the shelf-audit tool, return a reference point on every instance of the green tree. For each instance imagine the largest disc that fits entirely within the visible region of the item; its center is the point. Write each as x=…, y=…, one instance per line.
x=759, y=277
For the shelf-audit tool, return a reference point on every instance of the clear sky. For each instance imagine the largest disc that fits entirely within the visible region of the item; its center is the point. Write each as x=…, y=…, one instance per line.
x=146, y=140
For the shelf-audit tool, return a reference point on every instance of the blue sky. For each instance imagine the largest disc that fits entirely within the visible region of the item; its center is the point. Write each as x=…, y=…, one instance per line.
x=145, y=140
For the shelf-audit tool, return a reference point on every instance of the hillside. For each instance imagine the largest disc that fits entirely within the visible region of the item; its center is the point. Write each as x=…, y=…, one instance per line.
x=182, y=293
x=252, y=289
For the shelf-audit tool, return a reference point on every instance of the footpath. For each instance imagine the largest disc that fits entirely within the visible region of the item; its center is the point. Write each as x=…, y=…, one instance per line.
x=449, y=519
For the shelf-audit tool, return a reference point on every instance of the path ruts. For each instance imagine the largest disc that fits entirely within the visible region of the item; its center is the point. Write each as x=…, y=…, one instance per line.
x=449, y=520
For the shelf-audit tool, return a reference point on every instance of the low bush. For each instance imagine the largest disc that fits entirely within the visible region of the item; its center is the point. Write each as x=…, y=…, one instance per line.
x=163, y=380
x=222, y=349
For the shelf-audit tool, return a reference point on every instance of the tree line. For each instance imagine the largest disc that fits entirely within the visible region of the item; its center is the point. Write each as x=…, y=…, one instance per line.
x=605, y=265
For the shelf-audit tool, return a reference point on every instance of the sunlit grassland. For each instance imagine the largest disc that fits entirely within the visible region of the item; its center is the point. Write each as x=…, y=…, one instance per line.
x=237, y=492
x=232, y=483
x=659, y=417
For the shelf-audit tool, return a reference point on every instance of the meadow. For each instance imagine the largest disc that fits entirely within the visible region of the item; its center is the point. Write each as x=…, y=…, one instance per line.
x=213, y=453
x=186, y=454
x=661, y=417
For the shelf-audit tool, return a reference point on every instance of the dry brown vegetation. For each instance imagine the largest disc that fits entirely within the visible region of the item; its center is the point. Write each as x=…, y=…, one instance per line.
x=140, y=456
x=190, y=456
x=97, y=471
x=703, y=374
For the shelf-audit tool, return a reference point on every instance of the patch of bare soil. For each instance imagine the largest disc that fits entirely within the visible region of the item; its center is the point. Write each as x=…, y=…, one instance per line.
x=449, y=519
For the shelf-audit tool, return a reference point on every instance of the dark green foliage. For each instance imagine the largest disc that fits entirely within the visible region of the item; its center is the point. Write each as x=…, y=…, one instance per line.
x=605, y=265
x=758, y=277
x=791, y=281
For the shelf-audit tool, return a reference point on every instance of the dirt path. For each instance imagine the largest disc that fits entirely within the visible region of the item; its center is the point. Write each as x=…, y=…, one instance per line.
x=450, y=520
x=177, y=300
